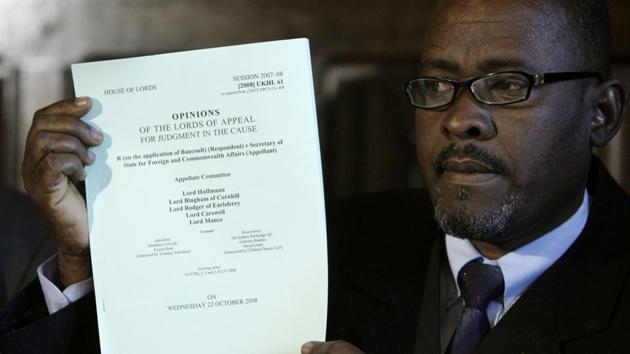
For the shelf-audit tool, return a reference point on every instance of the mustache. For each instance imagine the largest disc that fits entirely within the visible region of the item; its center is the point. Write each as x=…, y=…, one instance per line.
x=472, y=152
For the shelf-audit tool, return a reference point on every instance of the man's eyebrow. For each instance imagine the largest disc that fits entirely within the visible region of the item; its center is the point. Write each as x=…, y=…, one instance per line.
x=485, y=67
x=439, y=64
x=493, y=65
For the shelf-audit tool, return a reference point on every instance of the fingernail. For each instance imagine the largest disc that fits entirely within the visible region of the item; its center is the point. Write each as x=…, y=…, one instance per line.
x=81, y=101
x=96, y=133
x=91, y=156
x=307, y=347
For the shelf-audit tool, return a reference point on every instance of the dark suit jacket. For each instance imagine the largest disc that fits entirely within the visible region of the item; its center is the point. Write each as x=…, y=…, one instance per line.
x=384, y=252
x=385, y=293
x=24, y=242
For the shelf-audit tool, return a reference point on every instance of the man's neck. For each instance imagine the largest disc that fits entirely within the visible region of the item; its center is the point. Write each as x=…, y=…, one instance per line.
x=495, y=250
x=489, y=250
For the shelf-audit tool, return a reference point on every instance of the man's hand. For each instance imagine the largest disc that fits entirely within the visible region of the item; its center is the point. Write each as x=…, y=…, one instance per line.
x=56, y=152
x=334, y=347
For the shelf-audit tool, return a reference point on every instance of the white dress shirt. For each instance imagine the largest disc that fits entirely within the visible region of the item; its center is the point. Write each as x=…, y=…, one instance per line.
x=523, y=265
x=48, y=273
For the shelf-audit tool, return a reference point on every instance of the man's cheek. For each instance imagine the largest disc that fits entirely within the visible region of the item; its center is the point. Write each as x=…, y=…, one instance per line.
x=423, y=153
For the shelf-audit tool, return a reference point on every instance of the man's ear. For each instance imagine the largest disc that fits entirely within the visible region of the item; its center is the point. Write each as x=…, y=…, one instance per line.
x=607, y=117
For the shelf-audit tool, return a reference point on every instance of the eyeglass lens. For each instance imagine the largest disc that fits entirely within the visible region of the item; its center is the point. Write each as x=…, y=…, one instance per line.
x=500, y=88
x=430, y=92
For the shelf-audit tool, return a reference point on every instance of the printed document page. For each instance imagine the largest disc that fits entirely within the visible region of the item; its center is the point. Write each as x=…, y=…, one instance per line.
x=205, y=203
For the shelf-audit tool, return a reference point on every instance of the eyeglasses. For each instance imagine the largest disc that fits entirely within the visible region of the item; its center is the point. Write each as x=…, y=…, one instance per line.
x=493, y=89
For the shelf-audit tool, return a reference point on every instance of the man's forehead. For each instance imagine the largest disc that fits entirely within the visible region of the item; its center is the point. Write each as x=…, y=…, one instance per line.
x=504, y=18
x=493, y=32
x=482, y=52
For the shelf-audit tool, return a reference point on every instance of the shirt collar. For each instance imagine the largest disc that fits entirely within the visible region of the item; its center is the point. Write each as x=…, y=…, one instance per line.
x=538, y=255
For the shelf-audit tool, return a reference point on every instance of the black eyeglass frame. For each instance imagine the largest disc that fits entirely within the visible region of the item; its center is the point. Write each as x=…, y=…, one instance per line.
x=534, y=80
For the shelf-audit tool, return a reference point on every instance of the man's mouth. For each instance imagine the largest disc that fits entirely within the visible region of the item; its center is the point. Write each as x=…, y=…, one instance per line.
x=466, y=166
x=467, y=171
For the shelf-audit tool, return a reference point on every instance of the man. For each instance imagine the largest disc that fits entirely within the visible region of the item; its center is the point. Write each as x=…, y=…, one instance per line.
x=505, y=152
x=512, y=96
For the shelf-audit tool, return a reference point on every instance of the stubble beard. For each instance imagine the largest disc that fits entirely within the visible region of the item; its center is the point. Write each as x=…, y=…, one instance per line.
x=490, y=226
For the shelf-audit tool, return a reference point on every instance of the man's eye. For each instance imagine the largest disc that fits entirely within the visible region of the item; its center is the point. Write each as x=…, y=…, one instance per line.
x=508, y=85
x=439, y=86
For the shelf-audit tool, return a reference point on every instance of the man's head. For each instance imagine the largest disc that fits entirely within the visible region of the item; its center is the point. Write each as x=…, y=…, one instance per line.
x=510, y=173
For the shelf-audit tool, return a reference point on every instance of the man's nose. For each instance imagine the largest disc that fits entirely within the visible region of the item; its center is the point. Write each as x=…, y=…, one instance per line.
x=468, y=119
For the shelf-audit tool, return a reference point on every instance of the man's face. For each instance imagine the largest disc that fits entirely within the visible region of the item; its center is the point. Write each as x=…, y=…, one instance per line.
x=503, y=173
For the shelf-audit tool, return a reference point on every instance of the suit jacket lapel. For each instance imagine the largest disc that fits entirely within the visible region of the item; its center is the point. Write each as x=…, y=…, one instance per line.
x=428, y=337
x=576, y=296
x=570, y=301
x=391, y=322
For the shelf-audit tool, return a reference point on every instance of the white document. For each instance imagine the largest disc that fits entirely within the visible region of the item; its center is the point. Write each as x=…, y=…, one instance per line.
x=206, y=209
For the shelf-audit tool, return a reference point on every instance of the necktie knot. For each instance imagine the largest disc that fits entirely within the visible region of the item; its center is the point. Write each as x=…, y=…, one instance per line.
x=480, y=283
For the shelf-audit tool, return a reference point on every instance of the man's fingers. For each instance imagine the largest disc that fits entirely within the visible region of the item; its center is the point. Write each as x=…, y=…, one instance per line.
x=58, y=129
x=53, y=171
x=333, y=347
x=309, y=347
x=48, y=143
x=77, y=107
x=64, y=124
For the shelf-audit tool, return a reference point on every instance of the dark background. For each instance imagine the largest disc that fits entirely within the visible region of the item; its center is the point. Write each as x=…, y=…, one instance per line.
x=363, y=52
